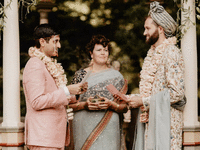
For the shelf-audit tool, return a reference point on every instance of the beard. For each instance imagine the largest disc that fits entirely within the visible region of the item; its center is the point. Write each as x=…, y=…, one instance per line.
x=153, y=38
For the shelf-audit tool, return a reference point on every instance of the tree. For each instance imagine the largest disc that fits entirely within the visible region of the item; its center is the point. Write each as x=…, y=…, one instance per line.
x=121, y=21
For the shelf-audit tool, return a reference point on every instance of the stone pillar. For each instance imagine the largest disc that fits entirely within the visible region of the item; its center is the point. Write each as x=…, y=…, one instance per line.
x=44, y=7
x=11, y=129
x=191, y=130
x=44, y=15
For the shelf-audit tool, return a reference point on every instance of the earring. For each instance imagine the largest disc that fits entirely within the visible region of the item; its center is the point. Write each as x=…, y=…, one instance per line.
x=108, y=62
x=91, y=62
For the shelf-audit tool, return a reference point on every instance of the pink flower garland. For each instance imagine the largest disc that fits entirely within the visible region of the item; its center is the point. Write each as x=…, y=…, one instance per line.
x=149, y=68
x=54, y=68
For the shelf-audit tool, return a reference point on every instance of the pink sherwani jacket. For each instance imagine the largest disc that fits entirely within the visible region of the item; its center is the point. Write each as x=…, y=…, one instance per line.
x=46, y=119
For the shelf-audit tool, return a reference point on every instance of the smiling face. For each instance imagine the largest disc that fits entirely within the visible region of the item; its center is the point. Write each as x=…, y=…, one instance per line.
x=51, y=47
x=100, y=54
x=151, y=31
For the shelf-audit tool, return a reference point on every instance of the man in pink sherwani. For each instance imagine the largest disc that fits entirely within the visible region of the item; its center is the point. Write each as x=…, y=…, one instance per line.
x=46, y=94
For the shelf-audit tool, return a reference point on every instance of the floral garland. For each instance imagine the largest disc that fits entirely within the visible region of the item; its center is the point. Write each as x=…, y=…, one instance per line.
x=149, y=68
x=54, y=68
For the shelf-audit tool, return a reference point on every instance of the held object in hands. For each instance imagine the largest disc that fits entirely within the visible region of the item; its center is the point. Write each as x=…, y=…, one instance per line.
x=96, y=99
x=114, y=91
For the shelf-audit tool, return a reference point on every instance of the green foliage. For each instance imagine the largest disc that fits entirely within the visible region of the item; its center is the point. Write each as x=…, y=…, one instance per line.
x=2, y=14
x=197, y=9
x=27, y=4
x=122, y=21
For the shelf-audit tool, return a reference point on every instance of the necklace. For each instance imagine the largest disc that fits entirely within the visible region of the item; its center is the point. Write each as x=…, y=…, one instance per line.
x=149, y=68
x=55, y=69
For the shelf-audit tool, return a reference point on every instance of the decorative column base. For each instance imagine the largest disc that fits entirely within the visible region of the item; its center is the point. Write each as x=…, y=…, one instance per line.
x=12, y=138
x=191, y=138
x=44, y=15
x=13, y=148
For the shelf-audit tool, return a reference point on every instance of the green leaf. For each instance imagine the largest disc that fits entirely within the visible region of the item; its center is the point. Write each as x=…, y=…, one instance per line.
x=198, y=10
x=198, y=17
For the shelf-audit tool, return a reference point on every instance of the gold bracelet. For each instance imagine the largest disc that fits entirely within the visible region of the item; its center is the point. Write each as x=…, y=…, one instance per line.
x=117, y=107
x=77, y=105
x=85, y=106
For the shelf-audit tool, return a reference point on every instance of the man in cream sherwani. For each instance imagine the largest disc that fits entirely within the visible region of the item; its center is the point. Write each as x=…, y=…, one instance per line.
x=162, y=87
x=46, y=94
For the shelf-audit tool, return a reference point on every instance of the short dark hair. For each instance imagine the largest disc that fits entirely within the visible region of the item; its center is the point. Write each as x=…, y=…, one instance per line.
x=98, y=39
x=43, y=31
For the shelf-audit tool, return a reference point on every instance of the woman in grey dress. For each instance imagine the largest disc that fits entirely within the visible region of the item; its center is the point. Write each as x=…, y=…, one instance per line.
x=96, y=123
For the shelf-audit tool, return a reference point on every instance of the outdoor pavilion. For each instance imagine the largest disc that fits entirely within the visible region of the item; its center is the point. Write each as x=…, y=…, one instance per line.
x=12, y=129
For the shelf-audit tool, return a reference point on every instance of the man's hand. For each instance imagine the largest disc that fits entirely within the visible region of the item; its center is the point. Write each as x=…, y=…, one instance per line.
x=84, y=87
x=73, y=99
x=135, y=102
x=144, y=117
x=79, y=88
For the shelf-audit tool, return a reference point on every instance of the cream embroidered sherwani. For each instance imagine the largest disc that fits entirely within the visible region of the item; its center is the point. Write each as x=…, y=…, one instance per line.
x=169, y=74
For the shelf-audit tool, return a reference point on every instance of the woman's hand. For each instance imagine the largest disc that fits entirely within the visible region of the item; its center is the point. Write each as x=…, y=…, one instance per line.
x=92, y=106
x=116, y=97
x=104, y=103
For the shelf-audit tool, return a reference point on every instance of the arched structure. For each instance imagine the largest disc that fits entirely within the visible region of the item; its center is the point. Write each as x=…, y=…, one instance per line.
x=11, y=129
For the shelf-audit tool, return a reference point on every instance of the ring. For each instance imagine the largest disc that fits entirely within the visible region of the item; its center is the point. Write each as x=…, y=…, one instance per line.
x=129, y=107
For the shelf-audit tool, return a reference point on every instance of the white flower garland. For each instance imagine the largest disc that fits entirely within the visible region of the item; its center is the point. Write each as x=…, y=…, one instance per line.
x=54, y=68
x=149, y=68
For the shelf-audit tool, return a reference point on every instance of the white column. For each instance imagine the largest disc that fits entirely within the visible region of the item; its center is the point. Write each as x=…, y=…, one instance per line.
x=191, y=128
x=11, y=129
x=189, y=49
x=11, y=66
